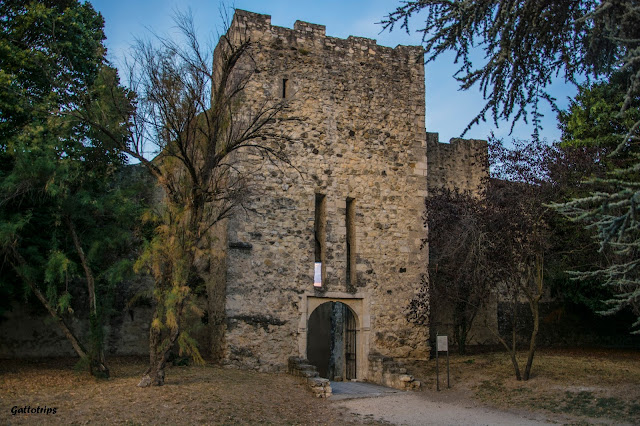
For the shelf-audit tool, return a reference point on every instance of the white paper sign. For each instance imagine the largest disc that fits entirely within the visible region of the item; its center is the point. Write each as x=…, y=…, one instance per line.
x=442, y=344
x=317, y=275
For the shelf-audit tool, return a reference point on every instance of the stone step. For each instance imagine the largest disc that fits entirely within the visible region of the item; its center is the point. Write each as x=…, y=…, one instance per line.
x=301, y=367
x=309, y=373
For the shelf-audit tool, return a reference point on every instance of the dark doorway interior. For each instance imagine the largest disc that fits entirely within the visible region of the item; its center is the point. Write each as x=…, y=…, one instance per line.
x=331, y=341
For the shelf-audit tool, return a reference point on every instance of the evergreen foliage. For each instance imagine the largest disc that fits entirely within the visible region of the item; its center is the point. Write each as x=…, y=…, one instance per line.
x=526, y=44
x=597, y=116
x=612, y=213
x=604, y=118
x=63, y=222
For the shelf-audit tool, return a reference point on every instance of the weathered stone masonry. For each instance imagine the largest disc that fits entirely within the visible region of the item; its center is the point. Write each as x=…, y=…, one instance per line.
x=362, y=137
x=460, y=164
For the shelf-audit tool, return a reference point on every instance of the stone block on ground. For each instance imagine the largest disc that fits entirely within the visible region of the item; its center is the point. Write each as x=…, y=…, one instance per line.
x=300, y=367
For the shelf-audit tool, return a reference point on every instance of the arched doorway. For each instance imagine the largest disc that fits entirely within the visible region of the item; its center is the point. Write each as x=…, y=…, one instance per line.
x=331, y=341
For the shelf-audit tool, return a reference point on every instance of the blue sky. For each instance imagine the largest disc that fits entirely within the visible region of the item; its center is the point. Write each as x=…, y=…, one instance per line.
x=448, y=109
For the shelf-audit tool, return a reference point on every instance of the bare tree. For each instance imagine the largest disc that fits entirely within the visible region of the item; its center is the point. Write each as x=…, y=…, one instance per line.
x=191, y=109
x=518, y=222
x=460, y=265
x=493, y=246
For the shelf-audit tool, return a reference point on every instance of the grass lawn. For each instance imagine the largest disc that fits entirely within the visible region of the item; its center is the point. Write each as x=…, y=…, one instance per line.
x=597, y=384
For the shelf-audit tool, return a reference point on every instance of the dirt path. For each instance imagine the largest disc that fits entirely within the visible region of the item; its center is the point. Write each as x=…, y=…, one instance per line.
x=420, y=408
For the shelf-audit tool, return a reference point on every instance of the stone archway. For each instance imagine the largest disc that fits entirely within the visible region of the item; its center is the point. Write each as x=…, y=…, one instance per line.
x=331, y=341
x=312, y=312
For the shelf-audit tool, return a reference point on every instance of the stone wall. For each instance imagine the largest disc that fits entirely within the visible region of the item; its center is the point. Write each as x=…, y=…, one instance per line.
x=360, y=136
x=355, y=118
x=29, y=332
x=442, y=323
x=461, y=163
x=308, y=375
x=388, y=372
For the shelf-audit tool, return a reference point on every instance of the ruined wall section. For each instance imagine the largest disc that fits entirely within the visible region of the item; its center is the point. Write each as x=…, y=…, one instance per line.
x=461, y=163
x=357, y=129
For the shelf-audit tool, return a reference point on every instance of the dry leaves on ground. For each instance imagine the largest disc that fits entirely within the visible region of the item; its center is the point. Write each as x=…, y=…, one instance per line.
x=191, y=395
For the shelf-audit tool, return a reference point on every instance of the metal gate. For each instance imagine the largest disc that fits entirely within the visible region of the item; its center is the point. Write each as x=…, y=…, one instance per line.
x=350, y=329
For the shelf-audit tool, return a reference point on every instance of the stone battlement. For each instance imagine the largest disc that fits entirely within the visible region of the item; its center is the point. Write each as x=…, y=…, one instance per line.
x=309, y=28
x=455, y=144
x=461, y=163
x=308, y=36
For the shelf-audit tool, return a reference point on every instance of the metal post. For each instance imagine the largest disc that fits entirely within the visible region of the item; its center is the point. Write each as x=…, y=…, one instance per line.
x=437, y=372
x=448, y=386
x=442, y=344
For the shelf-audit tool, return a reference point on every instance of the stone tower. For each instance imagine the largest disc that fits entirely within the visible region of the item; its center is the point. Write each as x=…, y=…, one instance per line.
x=343, y=223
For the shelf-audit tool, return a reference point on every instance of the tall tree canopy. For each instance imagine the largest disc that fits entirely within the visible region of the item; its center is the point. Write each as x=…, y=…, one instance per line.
x=603, y=120
x=601, y=115
x=63, y=220
x=526, y=44
x=51, y=52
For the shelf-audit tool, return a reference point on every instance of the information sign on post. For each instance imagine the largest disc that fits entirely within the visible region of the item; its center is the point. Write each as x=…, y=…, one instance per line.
x=442, y=345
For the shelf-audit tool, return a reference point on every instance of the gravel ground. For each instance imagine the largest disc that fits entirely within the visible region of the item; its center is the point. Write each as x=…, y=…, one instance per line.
x=417, y=409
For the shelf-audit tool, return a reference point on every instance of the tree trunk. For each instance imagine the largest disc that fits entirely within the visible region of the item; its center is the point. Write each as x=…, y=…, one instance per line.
x=512, y=349
x=535, y=311
x=460, y=336
x=158, y=357
x=461, y=328
x=77, y=346
x=514, y=359
x=516, y=367
x=514, y=337
x=534, y=305
x=512, y=352
x=97, y=365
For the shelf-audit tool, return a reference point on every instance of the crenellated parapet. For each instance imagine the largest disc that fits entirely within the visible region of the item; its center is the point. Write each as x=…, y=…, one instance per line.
x=310, y=37
x=461, y=163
